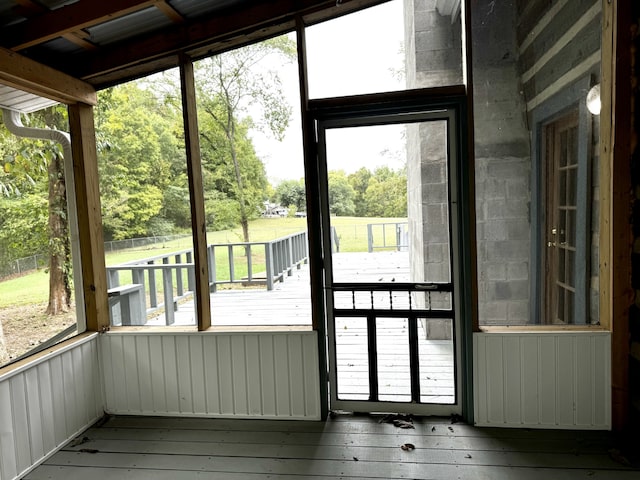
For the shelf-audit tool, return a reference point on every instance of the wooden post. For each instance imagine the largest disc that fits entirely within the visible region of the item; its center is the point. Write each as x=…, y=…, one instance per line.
x=196, y=193
x=85, y=169
x=25, y=74
x=616, y=294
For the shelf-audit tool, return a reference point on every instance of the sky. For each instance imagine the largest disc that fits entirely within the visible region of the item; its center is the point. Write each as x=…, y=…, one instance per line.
x=343, y=63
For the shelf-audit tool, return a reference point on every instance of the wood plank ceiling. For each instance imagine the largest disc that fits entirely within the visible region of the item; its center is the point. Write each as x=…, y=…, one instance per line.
x=108, y=42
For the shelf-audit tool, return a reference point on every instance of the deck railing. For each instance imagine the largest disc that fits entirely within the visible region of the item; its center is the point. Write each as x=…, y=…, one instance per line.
x=388, y=236
x=143, y=287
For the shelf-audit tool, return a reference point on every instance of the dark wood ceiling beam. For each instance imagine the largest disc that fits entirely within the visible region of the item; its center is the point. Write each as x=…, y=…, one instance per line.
x=67, y=19
x=80, y=39
x=28, y=8
x=170, y=12
x=206, y=36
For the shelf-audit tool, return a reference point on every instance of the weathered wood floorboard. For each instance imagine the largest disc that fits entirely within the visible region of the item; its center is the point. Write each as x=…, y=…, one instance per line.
x=347, y=447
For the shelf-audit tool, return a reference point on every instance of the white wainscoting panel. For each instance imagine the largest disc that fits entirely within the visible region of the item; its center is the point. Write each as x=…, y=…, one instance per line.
x=258, y=374
x=46, y=402
x=544, y=380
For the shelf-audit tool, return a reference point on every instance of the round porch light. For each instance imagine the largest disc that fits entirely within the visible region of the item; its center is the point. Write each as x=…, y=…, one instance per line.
x=593, y=100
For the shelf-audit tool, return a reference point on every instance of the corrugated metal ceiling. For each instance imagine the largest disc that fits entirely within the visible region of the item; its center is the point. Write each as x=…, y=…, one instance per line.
x=108, y=42
x=138, y=23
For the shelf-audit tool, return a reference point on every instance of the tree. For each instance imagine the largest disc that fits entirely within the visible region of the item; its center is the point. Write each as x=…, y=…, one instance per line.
x=40, y=163
x=23, y=202
x=230, y=86
x=359, y=181
x=341, y=194
x=138, y=154
x=290, y=193
x=223, y=197
x=386, y=195
x=58, y=223
x=23, y=225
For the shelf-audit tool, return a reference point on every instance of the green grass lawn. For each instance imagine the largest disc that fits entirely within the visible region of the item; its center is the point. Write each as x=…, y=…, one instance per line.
x=351, y=231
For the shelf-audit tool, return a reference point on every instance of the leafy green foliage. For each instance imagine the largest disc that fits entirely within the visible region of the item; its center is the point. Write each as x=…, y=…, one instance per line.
x=137, y=162
x=341, y=194
x=291, y=193
x=359, y=180
x=381, y=193
x=231, y=87
x=386, y=194
x=23, y=226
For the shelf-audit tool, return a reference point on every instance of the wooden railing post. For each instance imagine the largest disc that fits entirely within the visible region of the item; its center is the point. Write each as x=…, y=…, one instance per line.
x=268, y=258
x=113, y=278
x=179, y=286
x=211, y=259
x=169, y=304
x=290, y=256
x=249, y=264
x=191, y=278
x=137, y=276
x=232, y=272
x=153, y=294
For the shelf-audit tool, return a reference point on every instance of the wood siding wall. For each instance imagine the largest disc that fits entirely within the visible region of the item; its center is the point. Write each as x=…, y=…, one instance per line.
x=266, y=375
x=558, y=44
x=46, y=403
x=545, y=380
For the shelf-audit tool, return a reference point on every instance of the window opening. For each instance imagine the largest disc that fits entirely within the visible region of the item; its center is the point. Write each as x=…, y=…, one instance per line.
x=37, y=294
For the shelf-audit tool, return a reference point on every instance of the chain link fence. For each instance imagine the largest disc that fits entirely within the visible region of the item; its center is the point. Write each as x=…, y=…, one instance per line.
x=116, y=245
x=22, y=265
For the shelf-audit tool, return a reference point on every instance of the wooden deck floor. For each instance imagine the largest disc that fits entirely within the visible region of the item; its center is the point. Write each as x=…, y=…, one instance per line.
x=347, y=447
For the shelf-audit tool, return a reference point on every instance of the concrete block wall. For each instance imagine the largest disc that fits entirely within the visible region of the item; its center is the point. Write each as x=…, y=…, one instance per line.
x=503, y=168
x=434, y=58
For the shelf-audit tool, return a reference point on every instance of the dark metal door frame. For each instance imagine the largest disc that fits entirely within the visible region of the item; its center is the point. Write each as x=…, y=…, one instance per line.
x=363, y=117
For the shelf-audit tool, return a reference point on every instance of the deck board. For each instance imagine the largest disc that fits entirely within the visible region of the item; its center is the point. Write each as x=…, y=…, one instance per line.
x=347, y=447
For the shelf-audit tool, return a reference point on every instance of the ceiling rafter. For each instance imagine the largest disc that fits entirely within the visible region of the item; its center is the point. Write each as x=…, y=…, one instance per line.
x=170, y=12
x=80, y=38
x=66, y=20
x=29, y=8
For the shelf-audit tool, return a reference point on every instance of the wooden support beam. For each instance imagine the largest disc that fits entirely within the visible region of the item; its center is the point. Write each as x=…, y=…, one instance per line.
x=196, y=193
x=79, y=37
x=30, y=76
x=91, y=240
x=170, y=12
x=616, y=294
x=67, y=19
